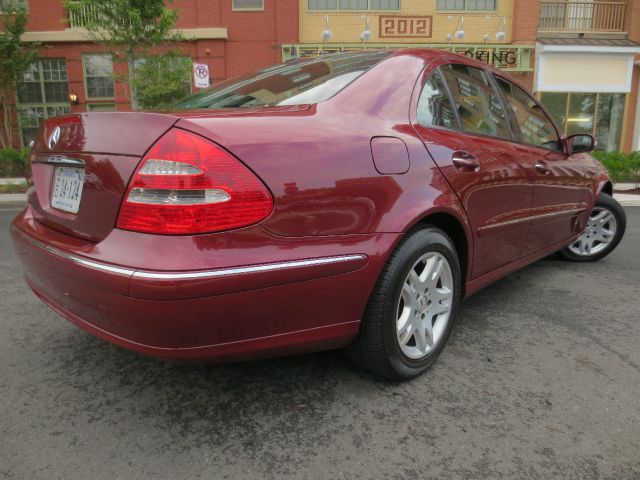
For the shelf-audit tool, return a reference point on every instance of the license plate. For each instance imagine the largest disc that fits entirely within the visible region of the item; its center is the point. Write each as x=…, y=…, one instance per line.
x=67, y=189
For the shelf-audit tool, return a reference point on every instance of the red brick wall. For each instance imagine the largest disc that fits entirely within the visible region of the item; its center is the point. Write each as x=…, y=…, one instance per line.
x=254, y=40
x=525, y=21
x=632, y=27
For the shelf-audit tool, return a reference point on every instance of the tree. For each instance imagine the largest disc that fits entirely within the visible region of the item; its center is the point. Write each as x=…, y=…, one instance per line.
x=15, y=59
x=131, y=30
x=160, y=91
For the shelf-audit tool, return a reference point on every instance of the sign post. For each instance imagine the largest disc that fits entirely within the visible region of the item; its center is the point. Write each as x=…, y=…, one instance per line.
x=201, y=75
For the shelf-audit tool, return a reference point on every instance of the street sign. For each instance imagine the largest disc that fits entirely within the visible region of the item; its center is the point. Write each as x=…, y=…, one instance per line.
x=201, y=75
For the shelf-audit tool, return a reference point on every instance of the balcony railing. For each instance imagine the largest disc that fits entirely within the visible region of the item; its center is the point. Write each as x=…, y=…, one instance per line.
x=79, y=18
x=571, y=16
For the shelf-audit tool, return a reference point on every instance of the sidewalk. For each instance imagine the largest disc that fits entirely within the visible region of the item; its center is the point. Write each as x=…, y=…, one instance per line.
x=627, y=200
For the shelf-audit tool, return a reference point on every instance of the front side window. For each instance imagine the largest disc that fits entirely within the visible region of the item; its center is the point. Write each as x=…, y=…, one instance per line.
x=98, y=75
x=43, y=92
x=434, y=106
x=535, y=126
x=353, y=5
x=466, y=4
x=293, y=83
x=478, y=105
x=248, y=4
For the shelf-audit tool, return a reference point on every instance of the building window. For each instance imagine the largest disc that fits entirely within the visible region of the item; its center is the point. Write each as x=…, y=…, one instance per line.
x=466, y=4
x=42, y=93
x=248, y=4
x=9, y=5
x=599, y=114
x=101, y=107
x=98, y=76
x=353, y=4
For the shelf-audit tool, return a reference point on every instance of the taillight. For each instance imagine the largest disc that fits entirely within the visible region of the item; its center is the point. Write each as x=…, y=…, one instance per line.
x=187, y=184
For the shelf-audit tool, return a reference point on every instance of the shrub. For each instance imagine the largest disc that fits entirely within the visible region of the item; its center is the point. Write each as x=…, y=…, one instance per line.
x=623, y=167
x=13, y=163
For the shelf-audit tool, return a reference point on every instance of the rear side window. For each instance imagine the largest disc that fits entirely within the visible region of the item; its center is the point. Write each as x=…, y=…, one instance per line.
x=536, y=128
x=293, y=83
x=434, y=106
x=479, y=107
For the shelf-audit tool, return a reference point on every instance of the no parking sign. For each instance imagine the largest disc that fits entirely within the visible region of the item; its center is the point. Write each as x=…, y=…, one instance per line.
x=201, y=75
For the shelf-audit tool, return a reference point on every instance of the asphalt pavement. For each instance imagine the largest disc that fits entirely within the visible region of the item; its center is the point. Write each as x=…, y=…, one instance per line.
x=540, y=380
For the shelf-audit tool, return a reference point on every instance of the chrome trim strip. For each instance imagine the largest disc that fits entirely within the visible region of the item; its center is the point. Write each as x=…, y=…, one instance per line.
x=59, y=160
x=531, y=218
x=267, y=267
x=225, y=272
x=80, y=261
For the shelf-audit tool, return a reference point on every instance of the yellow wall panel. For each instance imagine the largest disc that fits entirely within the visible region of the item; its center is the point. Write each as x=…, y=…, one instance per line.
x=346, y=26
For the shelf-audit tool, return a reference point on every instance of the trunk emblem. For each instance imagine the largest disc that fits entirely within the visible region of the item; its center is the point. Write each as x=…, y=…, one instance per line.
x=53, y=139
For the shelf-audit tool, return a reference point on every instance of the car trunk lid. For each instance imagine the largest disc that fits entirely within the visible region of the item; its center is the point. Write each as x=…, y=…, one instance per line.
x=81, y=165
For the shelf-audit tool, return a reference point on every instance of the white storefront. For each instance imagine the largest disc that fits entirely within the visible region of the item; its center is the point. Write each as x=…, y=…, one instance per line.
x=585, y=84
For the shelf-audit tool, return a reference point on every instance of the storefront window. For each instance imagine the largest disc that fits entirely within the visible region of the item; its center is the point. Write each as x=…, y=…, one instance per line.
x=609, y=122
x=599, y=114
x=42, y=93
x=580, y=118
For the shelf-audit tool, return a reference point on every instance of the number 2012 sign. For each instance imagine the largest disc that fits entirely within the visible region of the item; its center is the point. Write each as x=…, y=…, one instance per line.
x=394, y=26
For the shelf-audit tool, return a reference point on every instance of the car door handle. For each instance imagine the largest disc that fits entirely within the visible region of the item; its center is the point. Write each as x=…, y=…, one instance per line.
x=542, y=168
x=465, y=162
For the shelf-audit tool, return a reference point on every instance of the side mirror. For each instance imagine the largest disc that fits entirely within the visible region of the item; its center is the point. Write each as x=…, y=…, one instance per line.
x=581, y=143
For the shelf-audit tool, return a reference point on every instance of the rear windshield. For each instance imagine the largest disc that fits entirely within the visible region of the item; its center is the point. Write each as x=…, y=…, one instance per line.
x=293, y=83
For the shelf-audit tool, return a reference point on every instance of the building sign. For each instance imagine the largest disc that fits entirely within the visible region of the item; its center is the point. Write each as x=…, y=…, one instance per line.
x=500, y=57
x=395, y=26
x=201, y=75
x=511, y=58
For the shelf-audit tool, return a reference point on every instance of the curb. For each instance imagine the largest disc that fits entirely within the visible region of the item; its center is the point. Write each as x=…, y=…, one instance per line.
x=21, y=198
x=18, y=199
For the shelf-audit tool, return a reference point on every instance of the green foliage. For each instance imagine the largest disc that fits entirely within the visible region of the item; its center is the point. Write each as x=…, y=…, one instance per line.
x=13, y=163
x=15, y=58
x=161, y=80
x=128, y=28
x=623, y=167
x=131, y=30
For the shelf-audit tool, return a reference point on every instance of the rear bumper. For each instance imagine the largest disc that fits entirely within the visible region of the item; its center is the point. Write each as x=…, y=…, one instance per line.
x=269, y=308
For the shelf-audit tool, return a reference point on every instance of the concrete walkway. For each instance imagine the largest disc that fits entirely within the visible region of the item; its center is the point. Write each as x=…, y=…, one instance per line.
x=12, y=181
x=627, y=200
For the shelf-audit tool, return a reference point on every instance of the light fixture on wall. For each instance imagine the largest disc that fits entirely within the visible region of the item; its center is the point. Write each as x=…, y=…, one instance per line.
x=326, y=33
x=499, y=32
x=365, y=36
x=458, y=32
x=73, y=98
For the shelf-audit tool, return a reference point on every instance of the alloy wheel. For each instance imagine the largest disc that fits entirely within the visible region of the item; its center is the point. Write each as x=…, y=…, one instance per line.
x=600, y=231
x=424, y=306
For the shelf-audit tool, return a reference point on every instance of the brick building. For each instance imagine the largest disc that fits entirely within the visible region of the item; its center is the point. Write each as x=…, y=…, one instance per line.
x=231, y=36
x=579, y=56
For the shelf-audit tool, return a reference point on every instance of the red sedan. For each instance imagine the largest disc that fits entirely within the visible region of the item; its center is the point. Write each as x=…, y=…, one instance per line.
x=347, y=201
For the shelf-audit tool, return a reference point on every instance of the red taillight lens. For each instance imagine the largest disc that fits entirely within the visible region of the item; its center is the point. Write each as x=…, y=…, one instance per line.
x=187, y=184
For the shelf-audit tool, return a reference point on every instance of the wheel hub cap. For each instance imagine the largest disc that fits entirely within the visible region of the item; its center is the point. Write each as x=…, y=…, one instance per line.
x=598, y=234
x=424, y=306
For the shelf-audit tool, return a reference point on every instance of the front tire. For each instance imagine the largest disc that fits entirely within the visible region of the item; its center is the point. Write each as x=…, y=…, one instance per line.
x=411, y=311
x=605, y=228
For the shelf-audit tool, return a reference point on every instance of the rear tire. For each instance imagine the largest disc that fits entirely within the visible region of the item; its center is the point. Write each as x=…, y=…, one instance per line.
x=605, y=228
x=412, y=309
